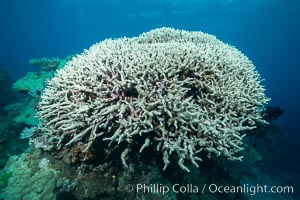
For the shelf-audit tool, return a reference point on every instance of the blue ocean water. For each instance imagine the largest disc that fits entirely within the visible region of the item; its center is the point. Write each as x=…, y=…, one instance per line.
x=267, y=31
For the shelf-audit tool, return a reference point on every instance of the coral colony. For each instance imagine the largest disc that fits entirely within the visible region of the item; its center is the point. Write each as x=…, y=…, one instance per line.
x=182, y=94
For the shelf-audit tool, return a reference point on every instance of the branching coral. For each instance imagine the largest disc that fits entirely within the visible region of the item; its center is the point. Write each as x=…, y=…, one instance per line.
x=51, y=64
x=45, y=63
x=184, y=94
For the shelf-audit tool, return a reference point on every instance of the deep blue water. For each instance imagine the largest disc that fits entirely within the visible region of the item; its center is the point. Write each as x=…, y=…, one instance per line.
x=267, y=31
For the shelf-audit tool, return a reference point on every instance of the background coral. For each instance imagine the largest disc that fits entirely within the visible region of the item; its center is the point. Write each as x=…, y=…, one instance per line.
x=28, y=183
x=32, y=82
x=49, y=64
x=45, y=64
x=184, y=94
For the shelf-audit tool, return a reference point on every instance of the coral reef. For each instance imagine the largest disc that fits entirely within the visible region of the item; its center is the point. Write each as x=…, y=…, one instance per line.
x=28, y=183
x=185, y=95
x=107, y=180
x=15, y=113
x=169, y=103
x=37, y=175
x=23, y=113
x=32, y=82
